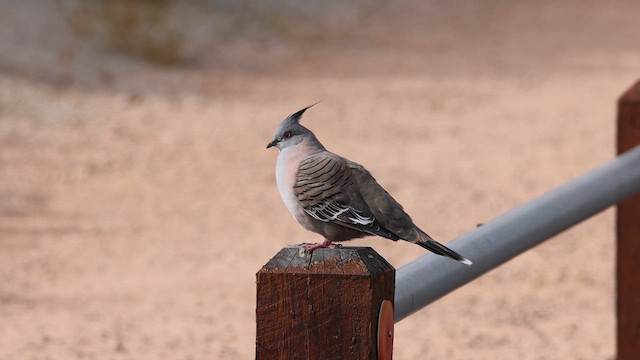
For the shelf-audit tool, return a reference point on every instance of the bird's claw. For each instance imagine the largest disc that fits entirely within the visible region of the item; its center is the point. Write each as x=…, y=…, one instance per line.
x=304, y=247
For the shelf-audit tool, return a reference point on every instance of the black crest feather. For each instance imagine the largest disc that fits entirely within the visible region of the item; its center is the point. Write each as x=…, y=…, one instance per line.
x=295, y=117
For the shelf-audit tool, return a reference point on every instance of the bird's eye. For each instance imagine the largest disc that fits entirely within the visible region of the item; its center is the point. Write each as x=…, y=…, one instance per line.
x=287, y=135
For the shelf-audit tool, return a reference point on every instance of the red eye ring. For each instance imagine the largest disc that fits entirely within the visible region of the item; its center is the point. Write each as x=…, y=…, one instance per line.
x=287, y=135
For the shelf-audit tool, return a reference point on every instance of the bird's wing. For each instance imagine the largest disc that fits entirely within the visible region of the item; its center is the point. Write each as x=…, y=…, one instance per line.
x=388, y=212
x=326, y=188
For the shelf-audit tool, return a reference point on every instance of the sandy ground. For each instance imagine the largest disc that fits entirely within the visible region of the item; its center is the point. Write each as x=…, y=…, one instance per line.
x=137, y=203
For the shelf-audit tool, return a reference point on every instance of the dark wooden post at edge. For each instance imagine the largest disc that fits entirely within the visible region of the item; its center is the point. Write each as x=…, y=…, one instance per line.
x=324, y=305
x=628, y=237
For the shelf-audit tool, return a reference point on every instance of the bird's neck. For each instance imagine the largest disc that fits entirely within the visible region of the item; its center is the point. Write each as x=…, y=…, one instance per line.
x=311, y=146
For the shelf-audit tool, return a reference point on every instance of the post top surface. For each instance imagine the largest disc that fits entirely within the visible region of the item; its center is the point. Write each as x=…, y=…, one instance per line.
x=341, y=260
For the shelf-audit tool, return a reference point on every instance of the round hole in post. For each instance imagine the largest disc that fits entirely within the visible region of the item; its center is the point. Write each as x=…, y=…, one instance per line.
x=385, y=331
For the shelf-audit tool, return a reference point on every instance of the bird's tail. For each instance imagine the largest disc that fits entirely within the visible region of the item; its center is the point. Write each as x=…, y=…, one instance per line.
x=428, y=243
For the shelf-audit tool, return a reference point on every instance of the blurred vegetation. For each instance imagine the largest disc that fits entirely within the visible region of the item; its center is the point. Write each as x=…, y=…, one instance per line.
x=171, y=32
x=140, y=28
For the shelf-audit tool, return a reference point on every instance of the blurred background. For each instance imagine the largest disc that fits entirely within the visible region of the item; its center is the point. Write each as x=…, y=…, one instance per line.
x=137, y=200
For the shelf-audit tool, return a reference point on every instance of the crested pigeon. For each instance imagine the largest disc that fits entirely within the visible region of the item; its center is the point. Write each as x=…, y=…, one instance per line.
x=336, y=197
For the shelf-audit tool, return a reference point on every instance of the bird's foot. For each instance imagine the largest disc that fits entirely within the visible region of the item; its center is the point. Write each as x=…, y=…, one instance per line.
x=325, y=244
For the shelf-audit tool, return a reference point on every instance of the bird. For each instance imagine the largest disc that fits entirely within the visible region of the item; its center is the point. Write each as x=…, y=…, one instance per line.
x=336, y=197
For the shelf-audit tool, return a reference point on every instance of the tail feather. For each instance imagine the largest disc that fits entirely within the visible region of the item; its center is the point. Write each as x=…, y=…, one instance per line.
x=442, y=250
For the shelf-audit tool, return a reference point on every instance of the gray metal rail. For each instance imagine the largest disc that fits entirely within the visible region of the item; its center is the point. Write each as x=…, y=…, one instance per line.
x=430, y=277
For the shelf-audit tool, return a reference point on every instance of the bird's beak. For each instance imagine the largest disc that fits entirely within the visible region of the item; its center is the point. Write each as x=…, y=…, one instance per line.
x=273, y=143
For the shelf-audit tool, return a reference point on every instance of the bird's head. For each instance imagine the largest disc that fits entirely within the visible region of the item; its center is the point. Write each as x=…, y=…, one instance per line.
x=290, y=133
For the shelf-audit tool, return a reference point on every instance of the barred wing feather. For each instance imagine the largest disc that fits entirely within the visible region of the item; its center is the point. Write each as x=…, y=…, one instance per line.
x=326, y=190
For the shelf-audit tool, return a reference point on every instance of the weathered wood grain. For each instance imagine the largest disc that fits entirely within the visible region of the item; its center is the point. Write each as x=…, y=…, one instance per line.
x=322, y=305
x=628, y=237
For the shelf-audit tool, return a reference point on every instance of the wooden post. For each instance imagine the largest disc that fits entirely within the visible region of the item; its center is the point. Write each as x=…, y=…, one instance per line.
x=324, y=305
x=628, y=237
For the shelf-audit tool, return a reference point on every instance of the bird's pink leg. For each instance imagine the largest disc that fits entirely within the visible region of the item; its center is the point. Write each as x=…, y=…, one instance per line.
x=325, y=244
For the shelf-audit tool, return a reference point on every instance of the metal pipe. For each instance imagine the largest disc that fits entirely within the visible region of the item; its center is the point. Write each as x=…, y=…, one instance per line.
x=430, y=277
